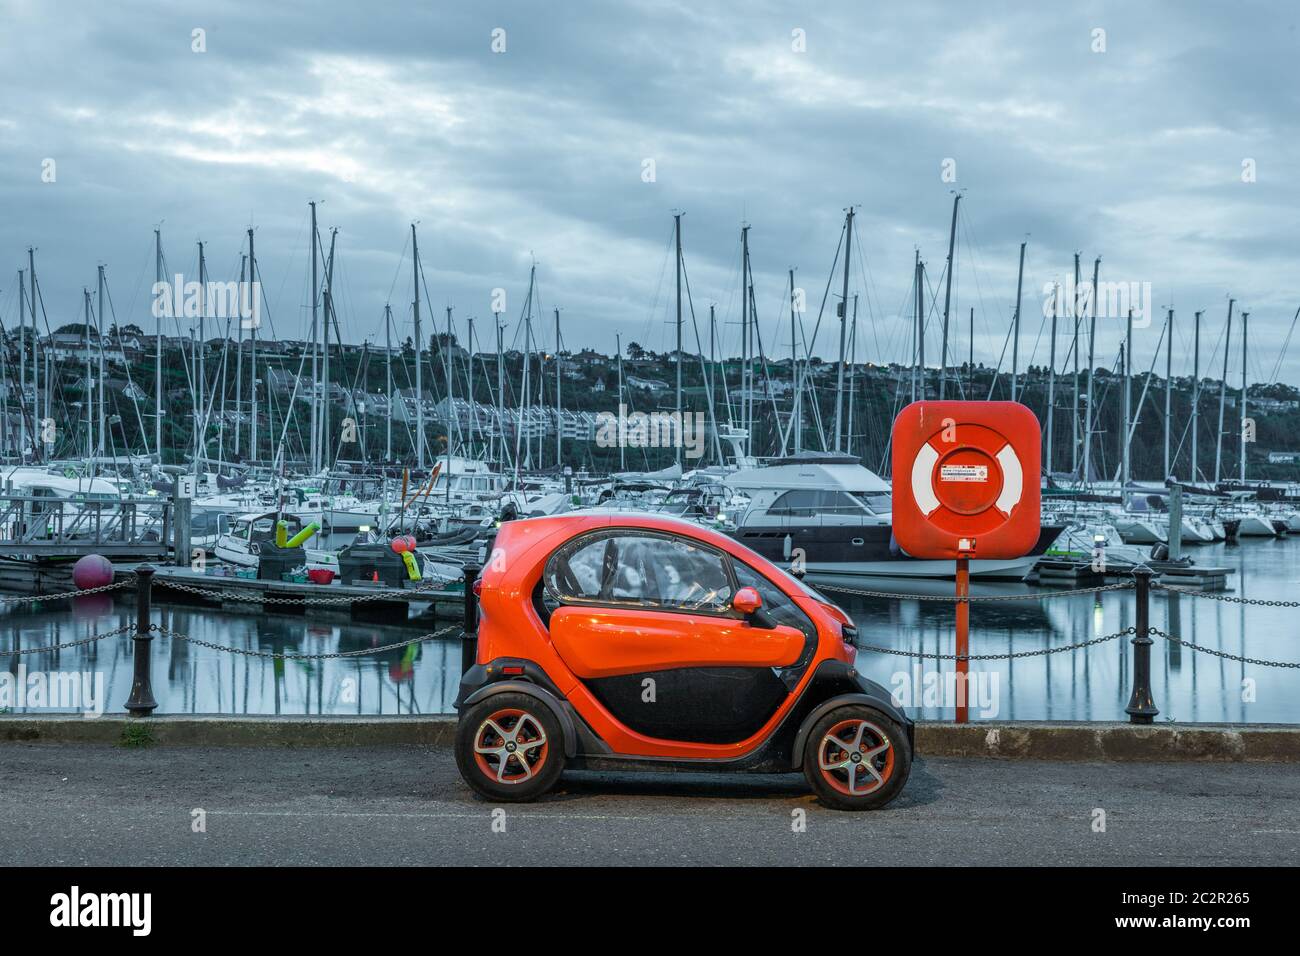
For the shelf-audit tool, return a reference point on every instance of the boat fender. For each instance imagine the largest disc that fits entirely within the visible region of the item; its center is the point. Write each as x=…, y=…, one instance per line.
x=298, y=539
x=412, y=569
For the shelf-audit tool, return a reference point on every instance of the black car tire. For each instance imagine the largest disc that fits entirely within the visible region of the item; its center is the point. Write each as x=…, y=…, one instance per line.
x=507, y=712
x=832, y=786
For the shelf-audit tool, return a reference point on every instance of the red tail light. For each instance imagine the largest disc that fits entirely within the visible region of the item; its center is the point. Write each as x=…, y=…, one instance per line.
x=477, y=587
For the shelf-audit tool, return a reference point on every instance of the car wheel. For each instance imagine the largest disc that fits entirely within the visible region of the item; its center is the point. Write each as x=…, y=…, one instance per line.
x=510, y=748
x=856, y=758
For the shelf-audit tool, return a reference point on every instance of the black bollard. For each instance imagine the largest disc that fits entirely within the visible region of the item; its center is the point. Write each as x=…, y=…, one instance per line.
x=141, y=702
x=1141, y=707
x=469, y=639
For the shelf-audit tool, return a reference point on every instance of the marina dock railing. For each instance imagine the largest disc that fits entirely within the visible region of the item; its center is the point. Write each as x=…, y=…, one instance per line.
x=121, y=528
x=1141, y=707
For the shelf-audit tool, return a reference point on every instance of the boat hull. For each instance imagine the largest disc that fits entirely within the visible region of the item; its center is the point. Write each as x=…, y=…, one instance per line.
x=840, y=554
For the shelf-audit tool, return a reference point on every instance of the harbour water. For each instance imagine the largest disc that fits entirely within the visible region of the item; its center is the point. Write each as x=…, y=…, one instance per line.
x=1092, y=683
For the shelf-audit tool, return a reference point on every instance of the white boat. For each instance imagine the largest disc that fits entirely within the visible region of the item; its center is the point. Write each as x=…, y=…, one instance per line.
x=250, y=534
x=1140, y=528
x=836, y=516
x=1256, y=524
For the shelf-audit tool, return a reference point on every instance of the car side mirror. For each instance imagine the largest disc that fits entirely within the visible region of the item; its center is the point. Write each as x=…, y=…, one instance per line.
x=747, y=601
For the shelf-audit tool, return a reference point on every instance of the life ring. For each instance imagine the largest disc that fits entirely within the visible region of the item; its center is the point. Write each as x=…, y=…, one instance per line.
x=979, y=476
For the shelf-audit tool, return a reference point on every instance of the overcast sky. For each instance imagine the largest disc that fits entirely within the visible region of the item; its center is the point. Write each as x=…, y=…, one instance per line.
x=757, y=112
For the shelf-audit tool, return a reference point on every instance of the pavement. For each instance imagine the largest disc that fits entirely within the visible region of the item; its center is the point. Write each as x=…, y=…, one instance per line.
x=73, y=804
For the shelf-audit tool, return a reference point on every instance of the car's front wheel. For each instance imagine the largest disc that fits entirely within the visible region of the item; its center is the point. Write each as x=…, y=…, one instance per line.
x=510, y=748
x=856, y=758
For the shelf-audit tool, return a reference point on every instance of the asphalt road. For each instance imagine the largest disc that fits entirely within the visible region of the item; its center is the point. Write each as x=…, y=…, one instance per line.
x=73, y=804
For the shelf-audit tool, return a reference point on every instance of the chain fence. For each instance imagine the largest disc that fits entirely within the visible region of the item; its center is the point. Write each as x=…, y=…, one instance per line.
x=1010, y=655
x=1225, y=598
x=393, y=594
x=1224, y=654
x=977, y=598
x=125, y=629
x=102, y=589
x=433, y=636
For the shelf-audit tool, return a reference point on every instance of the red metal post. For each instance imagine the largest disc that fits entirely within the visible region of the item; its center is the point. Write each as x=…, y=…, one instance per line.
x=963, y=636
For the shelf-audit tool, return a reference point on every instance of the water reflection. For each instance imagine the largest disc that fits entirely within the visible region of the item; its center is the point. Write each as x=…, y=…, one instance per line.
x=1094, y=683
x=417, y=679
x=1088, y=684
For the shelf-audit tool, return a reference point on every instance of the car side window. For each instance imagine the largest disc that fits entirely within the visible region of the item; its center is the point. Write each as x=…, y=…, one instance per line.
x=641, y=570
x=780, y=609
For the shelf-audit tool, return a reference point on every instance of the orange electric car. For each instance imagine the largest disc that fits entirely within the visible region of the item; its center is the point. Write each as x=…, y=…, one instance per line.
x=612, y=640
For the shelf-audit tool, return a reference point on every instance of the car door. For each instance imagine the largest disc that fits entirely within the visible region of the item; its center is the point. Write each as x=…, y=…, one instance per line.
x=644, y=620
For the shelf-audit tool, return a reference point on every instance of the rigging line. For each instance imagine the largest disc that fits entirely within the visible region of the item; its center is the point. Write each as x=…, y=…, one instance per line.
x=1195, y=403
x=127, y=365
x=704, y=371
x=809, y=344
x=963, y=217
x=1286, y=343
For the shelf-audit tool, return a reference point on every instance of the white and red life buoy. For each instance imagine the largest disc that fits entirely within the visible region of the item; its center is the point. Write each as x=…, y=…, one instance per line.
x=965, y=479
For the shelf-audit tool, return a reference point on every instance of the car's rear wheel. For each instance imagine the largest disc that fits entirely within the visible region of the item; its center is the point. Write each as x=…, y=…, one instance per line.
x=510, y=748
x=856, y=758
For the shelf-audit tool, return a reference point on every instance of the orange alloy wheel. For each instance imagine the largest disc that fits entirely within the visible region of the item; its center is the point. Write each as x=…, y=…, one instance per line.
x=855, y=757
x=510, y=746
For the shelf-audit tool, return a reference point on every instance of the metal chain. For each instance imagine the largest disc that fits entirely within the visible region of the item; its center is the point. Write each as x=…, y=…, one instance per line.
x=970, y=599
x=85, y=640
x=302, y=657
x=997, y=657
x=24, y=598
x=1226, y=598
x=266, y=599
x=1224, y=654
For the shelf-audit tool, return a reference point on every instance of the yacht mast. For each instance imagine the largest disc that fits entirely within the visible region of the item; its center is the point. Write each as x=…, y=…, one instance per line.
x=469, y=381
x=1169, y=387
x=89, y=395
x=947, y=301
x=1245, y=316
x=315, y=345
x=559, y=425
x=452, y=418
x=1196, y=390
x=36, y=365
x=157, y=350
x=1223, y=392
x=853, y=367
x=1092, y=343
x=677, y=232
x=844, y=318
x=419, y=349
x=22, y=368
x=744, y=337
x=622, y=449
x=99, y=387
x=239, y=352
x=920, y=326
x=1051, y=378
x=327, y=311
x=1074, y=392
x=501, y=389
x=200, y=435
x=1015, y=333
x=1126, y=359
x=388, y=380
x=252, y=337
x=796, y=393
